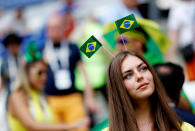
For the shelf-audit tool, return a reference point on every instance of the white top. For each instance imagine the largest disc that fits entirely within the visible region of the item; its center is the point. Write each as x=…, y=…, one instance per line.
x=182, y=18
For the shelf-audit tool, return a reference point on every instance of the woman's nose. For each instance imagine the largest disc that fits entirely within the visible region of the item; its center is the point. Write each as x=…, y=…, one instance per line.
x=43, y=77
x=139, y=76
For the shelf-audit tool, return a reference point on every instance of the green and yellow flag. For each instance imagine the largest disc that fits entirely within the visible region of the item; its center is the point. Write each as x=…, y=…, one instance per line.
x=126, y=24
x=90, y=46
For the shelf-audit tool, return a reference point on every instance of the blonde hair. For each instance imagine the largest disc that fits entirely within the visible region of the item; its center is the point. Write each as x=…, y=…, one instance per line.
x=22, y=81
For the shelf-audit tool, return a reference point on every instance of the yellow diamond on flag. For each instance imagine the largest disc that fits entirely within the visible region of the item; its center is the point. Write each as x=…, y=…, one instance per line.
x=126, y=24
x=91, y=47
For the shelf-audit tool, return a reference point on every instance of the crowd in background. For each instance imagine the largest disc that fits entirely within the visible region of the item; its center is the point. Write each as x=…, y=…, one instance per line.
x=47, y=84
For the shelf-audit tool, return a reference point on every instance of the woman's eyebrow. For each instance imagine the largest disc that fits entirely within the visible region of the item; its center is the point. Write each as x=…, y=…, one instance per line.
x=129, y=70
x=140, y=65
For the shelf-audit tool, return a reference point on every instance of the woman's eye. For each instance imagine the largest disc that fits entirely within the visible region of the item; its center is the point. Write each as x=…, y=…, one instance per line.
x=144, y=68
x=128, y=76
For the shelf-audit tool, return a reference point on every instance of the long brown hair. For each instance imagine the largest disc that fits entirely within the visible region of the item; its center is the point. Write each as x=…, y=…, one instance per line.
x=121, y=117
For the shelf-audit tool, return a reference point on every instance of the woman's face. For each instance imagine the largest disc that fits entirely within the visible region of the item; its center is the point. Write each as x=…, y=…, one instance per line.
x=137, y=78
x=131, y=44
x=130, y=3
x=38, y=75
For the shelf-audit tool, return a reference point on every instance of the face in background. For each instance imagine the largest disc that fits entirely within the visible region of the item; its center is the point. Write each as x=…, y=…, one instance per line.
x=14, y=48
x=37, y=75
x=131, y=44
x=137, y=78
x=130, y=3
x=55, y=29
x=19, y=13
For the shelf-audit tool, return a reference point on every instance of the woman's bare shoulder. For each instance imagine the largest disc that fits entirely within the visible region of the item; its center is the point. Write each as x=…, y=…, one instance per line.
x=18, y=94
x=16, y=98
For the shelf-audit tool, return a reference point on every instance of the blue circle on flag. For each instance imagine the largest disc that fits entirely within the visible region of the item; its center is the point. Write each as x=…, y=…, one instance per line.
x=91, y=47
x=127, y=24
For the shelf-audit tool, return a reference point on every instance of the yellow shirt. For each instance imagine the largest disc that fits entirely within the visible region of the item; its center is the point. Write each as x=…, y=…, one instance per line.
x=184, y=127
x=38, y=108
x=187, y=127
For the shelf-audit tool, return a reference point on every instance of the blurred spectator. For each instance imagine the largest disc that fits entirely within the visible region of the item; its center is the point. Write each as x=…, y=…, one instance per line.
x=10, y=61
x=4, y=23
x=181, y=24
x=9, y=70
x=3, y=111
x=137, y=41
x=95, y=68
x=27, y=106
x=112, y=12
x=67, y=11
x=18, y=23
x=63, y=57
x=172, y=77
x=151, y=41
x=153, y=10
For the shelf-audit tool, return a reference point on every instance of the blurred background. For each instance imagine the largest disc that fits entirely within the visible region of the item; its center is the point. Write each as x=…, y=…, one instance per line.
x=173, y=22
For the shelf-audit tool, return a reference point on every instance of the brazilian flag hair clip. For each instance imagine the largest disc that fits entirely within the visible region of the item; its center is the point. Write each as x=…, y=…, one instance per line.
x=32, y=54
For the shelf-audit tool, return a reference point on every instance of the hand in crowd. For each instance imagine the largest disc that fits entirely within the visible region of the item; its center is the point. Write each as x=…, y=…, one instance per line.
x=82, y=123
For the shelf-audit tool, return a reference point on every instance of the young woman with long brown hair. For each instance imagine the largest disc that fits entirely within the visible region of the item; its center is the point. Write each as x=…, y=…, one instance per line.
x=137, y=101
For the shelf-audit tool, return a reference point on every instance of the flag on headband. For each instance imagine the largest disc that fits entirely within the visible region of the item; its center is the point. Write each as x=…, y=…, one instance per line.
x=126, y=24
x=90, y=46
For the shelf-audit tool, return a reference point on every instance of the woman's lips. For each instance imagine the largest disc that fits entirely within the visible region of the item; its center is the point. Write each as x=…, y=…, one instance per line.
x=143, y=86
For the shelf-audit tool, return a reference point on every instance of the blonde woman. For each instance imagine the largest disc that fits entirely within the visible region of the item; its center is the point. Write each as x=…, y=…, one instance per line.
x=27, y=107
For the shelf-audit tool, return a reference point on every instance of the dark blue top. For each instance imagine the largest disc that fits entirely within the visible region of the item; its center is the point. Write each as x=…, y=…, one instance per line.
x=185, y=115
x=74, y=58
